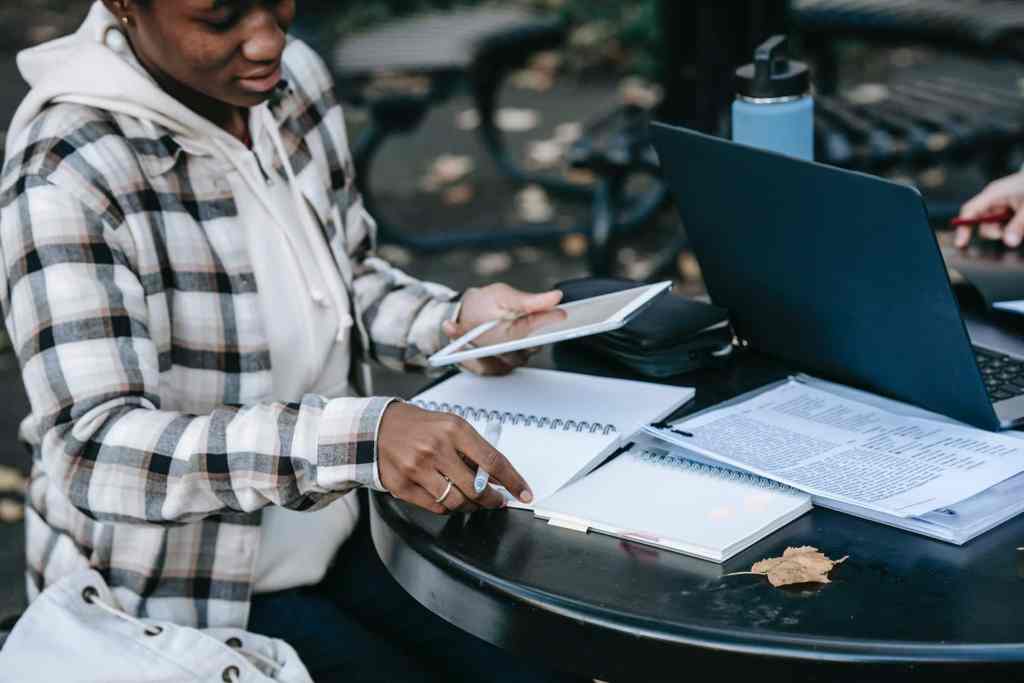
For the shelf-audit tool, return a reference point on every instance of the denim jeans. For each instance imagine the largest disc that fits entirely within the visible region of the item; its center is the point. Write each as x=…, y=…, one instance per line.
x=359, y=625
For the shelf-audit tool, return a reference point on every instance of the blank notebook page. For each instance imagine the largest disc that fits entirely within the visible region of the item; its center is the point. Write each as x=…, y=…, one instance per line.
x=556, y=425
x=652, y=496
x=564, y=395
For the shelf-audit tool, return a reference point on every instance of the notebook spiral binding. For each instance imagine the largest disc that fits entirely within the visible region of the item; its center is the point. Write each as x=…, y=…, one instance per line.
x=506, y=418
x=664, y=458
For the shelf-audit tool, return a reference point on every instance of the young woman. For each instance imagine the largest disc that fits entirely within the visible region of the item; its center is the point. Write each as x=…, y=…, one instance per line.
x=191, y=287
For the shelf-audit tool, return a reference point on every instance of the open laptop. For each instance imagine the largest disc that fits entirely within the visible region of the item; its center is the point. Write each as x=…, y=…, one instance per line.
x=837, y=272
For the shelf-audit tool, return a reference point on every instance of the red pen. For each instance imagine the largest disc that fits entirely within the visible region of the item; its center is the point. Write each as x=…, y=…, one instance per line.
x=1001, y=216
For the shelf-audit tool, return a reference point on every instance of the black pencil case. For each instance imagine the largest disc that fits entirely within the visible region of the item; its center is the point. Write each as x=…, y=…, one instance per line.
x=672, y=335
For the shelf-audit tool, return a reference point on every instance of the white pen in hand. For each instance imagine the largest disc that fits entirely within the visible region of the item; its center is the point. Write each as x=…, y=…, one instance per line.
x=492, y=432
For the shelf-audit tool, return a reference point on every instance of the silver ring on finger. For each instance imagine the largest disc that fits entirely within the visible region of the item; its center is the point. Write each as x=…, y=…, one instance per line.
x=447, y=490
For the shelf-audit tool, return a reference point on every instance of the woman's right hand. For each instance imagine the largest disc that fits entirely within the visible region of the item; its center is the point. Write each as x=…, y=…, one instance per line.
x=1005, y=193
x=417, y=449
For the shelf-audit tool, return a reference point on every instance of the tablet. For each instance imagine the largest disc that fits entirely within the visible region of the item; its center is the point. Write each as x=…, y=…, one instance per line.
x=568, y=321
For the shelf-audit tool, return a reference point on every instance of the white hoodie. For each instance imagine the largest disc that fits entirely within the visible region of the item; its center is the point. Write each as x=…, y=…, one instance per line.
x=301, y=291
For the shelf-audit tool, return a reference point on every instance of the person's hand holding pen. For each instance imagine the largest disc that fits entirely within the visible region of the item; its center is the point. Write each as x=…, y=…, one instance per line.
x=428, y=458
x=996, y=212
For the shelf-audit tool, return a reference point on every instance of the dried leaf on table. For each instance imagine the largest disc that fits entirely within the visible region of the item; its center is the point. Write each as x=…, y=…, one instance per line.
x=805, y=564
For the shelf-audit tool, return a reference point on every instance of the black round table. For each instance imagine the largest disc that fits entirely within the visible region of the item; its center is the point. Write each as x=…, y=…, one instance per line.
x=901, y=607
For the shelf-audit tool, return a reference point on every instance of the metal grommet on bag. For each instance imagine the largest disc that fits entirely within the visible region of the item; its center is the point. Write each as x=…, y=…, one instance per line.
x=232, y=674
x=233, y=642
x=89, y=594
x=153, y=630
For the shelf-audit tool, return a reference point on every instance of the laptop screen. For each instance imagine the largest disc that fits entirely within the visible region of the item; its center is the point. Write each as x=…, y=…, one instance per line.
x=836, y=272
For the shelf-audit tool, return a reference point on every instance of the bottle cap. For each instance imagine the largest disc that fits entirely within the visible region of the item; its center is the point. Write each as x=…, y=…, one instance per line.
x=773, y=74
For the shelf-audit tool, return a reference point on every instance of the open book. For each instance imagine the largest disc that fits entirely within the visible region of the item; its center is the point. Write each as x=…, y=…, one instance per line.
x=652, y=494
x=557, y=426
x=865, y=455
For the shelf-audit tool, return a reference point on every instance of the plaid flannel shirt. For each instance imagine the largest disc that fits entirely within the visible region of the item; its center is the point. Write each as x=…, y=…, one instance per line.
x=129, y=297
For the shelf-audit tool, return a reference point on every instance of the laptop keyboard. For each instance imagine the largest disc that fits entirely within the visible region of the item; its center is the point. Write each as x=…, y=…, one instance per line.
x=1003, y=375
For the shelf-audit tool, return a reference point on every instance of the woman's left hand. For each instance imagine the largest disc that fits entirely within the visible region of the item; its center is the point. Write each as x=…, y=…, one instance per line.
x=502, y=301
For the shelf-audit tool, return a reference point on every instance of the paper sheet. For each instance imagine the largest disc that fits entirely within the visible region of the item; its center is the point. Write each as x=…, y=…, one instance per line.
x=833, y=447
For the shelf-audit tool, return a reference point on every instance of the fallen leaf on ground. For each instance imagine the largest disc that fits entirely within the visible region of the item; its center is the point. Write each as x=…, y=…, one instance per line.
x=568, y=132
x=533, y=205
x=933, y=177
x=575, y=245
x=868, y=93
x=549, y=61
x=11, y=512
x=528, y=254
x=391, y=83
x=446, y=170
x=458, y=195
x=937, y=142
x=688, y=267
x=467, y=119
x=805, y=564
x=533, y=79
x=42, y=33
x=11, y=479
x=517, y=120
x=544, y=154
x=395, y=255
x=580, y=176
x=492, y=263
x=640, y=93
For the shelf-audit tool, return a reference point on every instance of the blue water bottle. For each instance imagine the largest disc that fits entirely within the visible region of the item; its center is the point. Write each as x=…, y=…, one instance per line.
x=774, y=109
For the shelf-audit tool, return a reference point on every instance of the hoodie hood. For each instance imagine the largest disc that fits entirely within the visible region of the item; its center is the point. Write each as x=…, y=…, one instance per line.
x=95, y=67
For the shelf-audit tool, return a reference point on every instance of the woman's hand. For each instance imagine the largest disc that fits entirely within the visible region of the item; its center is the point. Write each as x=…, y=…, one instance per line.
x=526, y=312
x=1005, y=193
x=419, y=451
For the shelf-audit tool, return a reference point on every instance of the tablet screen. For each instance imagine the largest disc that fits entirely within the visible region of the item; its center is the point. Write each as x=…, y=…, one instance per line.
x=560, y=322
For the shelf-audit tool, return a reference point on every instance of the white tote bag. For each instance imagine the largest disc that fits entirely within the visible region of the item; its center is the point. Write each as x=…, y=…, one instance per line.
x=74, y=632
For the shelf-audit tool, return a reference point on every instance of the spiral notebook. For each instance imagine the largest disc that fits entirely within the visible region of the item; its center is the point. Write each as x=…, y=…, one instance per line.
x=557, y=426
x=653, y=494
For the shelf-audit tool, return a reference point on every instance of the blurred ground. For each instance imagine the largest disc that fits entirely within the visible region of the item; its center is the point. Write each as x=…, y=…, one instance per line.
x=482, y=199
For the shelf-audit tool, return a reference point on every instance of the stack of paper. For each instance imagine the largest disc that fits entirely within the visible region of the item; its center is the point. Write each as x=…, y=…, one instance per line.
x=864, y=455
